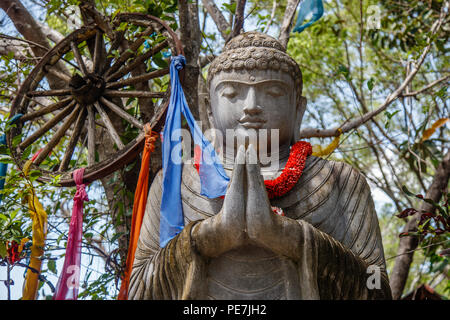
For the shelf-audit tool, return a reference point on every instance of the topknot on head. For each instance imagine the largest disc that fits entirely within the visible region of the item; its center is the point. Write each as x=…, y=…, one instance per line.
x=253, y=39
x=255, y=51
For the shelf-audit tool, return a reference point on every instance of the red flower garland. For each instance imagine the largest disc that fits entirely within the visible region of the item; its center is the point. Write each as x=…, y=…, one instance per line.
x=291, y=172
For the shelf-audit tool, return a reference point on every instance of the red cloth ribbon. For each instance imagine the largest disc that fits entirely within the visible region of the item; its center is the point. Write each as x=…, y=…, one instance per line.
x=68, y=283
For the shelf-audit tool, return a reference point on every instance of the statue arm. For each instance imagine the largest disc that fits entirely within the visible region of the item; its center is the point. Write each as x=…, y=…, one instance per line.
x=352, y=241
x=351, y=257
x=342, y=268
x=340, y=273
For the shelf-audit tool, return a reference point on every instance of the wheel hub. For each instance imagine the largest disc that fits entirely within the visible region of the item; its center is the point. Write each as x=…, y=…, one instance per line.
x=87, y=90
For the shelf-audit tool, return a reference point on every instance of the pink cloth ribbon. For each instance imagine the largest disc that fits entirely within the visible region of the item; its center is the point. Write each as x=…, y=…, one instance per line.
x=68, y=283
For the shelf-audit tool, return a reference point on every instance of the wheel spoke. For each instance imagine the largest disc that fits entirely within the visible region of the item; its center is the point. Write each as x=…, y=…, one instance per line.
x=46, y=93
x=57, y=136
x=133, y=94
x=47, y=126
x=138, y=79
x=91, y=136
x=98, y=50
x=73, y=141
x=130, y=51
x=45, y=110
x=110, y=128
x=122, y=113
x=139, y=60
x=119, y=37
x=78, y=58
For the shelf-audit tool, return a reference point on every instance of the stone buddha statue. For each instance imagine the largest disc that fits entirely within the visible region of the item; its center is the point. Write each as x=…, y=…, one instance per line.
x=326, y=243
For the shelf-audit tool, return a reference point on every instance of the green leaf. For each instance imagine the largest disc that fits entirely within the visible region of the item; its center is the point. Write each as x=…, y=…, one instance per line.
x=51, y=265
x=26, y=153
x=370, y=83
x=344, y=71
x=409, y=193
x=16, y=140
x=14, y=214
x=34, y=174
x=3, y=251
x=117, y=236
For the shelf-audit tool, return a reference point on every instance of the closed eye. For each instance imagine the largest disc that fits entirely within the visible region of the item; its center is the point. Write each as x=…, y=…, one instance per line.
x=275, y=90
x=229, y=91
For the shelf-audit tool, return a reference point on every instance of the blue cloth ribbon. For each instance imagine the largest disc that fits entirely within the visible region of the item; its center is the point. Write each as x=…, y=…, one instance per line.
x=213, y=178
x=308, y=6
x=4, y=166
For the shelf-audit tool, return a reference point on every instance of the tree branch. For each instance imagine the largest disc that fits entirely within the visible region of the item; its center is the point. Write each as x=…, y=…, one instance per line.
x=32, y=31
x=286, y=25
x=426, y=88
x=222, y=24
x=50, y=33
x=272, y=16
x=312, y=132
x=238, y=18
x=20, y=50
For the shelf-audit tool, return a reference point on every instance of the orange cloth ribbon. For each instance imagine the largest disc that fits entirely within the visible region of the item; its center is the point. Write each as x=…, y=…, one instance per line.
x=140, y=201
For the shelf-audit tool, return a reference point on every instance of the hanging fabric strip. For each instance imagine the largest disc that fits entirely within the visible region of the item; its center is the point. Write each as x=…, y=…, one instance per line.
x=213, y=178
x=68, y=283
x=429, y=132
x=4, y=166
x=39, y=232
x=319, y=152
x=314, y=7
x=140, y=201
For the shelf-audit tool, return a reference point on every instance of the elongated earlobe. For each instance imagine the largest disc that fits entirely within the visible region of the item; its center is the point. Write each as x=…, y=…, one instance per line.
x=209, y=112
x=300, y=111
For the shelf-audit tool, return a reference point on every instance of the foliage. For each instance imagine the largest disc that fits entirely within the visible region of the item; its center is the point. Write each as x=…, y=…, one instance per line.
x=353, y=74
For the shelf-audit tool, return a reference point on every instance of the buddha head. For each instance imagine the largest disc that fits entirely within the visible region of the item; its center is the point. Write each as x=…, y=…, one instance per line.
x=254, y=86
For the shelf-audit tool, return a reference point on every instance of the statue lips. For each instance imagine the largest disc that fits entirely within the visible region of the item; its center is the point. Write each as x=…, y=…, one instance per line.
x=251, y=123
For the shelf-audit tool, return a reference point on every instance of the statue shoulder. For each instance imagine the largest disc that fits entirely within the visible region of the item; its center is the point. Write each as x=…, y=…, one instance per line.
x=354, y=175
x=336, y=198
x=339, y=173
x=319, y=180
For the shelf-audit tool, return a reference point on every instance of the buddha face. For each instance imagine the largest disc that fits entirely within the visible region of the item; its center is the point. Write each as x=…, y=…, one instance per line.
x=248, y=102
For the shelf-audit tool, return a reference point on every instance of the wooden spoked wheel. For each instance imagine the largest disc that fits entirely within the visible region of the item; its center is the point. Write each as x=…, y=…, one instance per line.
x=101, y=79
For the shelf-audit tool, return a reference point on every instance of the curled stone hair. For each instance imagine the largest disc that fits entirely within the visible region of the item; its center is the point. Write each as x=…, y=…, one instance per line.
x=255, y=51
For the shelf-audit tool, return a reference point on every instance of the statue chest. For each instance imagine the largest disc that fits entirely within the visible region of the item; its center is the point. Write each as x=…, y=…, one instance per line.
x=251, y=273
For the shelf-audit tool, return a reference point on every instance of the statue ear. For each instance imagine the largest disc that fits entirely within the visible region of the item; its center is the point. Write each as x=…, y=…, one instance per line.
x=209, y=111
x=301, y=107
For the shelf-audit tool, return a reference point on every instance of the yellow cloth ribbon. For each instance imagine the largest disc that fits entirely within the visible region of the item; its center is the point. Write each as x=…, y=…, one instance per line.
x=319, y=152
x=39, y=230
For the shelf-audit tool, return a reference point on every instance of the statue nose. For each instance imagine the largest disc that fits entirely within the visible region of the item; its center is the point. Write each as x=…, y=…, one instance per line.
x=251, y=106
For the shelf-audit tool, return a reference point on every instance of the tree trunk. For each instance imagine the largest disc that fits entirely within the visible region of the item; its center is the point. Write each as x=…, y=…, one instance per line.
x=190, y=37
x=286, y=24
x=407, y=245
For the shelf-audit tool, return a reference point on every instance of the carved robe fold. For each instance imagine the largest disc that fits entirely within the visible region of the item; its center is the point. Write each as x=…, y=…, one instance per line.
x=341, y=239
